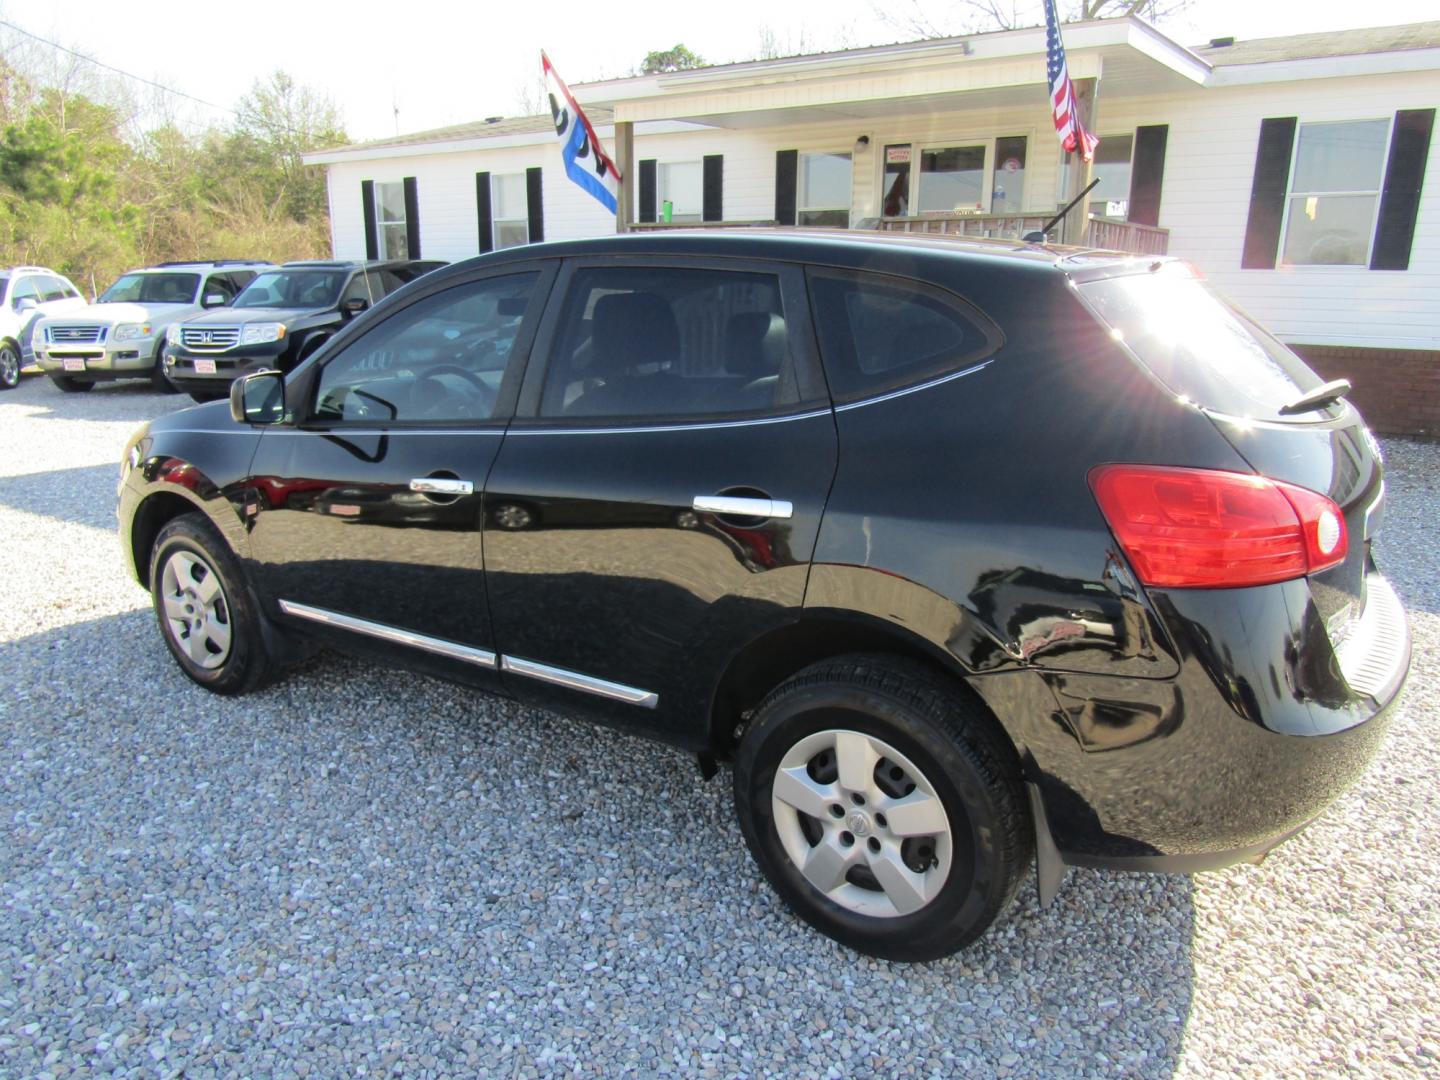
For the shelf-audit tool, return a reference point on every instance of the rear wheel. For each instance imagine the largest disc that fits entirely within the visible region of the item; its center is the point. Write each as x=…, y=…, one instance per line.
x=884, y=806
x=206, y=616
x=9, y=366
x=71, y=386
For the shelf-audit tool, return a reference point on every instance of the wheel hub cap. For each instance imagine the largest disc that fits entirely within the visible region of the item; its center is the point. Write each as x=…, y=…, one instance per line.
x=862, y=824
x=196, y=612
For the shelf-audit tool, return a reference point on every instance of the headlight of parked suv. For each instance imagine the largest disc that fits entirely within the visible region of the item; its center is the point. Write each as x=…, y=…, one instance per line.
x=259, y=333
x=172, y=334
x=128, y=331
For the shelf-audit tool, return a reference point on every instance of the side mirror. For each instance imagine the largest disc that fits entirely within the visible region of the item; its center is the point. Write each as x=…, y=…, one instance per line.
x=355, y=305
x=214, y=299
x=258, y=398
x=26, y=303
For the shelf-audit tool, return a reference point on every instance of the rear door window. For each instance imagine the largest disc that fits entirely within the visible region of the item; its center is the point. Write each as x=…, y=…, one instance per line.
x=1199, y=346
x=879, y=332
x=659, y=342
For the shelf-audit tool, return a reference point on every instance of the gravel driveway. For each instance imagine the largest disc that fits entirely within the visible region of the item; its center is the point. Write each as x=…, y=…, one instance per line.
x=359, y=872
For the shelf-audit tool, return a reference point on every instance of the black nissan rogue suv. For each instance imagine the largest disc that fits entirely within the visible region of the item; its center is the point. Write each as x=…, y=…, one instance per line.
x=281, y=317
x=963, y=553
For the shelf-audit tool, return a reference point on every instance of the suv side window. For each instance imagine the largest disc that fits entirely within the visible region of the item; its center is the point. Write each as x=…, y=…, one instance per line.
x=656, y=342
x=52, y=288
x=368, y=286
x=440, y=359
x=878, y=332
x=222, y=284
x=25, y=287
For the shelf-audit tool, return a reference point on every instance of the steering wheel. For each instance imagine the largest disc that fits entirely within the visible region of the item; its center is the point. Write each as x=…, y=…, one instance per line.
x=477, y=409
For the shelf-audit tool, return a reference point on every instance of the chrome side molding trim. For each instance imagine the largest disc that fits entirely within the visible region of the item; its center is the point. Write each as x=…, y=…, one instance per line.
x=575, y=681
x=742, y=507
x=438, y=646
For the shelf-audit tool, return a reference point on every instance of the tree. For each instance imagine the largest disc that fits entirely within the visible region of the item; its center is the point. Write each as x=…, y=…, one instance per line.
x=278, y=122
x=977, y=16
x=677, y=59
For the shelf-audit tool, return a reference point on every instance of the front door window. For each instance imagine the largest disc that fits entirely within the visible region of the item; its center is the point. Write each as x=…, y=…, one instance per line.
x=1007, y=190
x=896, y=186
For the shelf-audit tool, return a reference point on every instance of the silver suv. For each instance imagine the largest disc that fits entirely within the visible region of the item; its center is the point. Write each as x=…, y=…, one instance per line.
x=28, y=294
x=122, y=335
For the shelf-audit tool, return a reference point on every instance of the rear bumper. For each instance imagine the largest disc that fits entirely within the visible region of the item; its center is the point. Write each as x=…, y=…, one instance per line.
x=1262, y=729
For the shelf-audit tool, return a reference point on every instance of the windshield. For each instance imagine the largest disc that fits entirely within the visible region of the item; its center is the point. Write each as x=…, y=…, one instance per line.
x=293, y=289
x=4, y=285
x=152, y=289
x=1200, y=346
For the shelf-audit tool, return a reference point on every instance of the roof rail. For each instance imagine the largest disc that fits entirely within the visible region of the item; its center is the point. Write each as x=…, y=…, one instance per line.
x=214, y=262
x=32, y=269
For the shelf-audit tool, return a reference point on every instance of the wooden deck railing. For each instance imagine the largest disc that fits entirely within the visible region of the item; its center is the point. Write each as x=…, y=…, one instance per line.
x=1108, y=233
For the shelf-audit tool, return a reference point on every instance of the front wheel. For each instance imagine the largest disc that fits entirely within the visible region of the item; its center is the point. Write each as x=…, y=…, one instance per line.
x=159, y=377
x=9, y=366
x=884, y=806
x=206, y=616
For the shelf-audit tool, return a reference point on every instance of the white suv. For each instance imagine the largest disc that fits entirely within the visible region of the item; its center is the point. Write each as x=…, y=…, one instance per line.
x=122, y=335
x=26, y=294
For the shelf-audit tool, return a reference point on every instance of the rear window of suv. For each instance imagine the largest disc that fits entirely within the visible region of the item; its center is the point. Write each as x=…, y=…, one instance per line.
x=879, y=333
x=1199, y=346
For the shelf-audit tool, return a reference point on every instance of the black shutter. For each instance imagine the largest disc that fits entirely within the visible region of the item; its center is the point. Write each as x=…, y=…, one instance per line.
x=1148, y=173
x=1400, y=198
x=1267, y=192
x=412, y=218
x=535, y=204
x=712, y=207
x=787, y=172
x=647, y=189
x=367, y=200
x=483, y=214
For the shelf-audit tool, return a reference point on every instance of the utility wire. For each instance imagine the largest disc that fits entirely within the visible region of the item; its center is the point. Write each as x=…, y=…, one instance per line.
x=149, y=82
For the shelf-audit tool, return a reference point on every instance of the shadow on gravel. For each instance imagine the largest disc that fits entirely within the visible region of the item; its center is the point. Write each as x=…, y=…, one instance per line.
x=126, y=400
x=83, y=496
x=361, y=866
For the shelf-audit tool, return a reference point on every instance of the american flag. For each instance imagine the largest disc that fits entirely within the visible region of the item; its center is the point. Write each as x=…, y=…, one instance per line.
x=1063, y=105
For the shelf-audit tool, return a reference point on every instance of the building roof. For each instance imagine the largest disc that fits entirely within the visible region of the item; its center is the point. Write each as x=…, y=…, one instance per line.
x=1369, y=39
x=491, y=128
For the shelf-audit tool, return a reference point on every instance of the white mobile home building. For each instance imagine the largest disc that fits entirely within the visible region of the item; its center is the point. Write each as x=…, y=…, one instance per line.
x=1297, y=173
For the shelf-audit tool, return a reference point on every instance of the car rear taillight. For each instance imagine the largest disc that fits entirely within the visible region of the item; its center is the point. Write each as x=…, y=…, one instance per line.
x=1206, y=529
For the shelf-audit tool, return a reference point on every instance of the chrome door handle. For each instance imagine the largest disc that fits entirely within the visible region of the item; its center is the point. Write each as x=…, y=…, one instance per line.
x=438, y=485
x=738, y=507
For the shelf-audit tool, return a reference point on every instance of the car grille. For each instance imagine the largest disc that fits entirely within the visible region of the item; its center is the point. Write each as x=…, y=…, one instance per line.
x=212, y=338
x=74, y=335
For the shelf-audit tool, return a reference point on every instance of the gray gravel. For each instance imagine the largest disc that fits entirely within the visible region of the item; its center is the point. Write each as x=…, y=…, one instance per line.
x=359, y=872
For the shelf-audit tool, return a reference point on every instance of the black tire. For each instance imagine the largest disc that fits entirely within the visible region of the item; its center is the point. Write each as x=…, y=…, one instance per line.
x=960, y=754
x=159, y=380
x=71, y=386
x=229, y=643
x=9, y=365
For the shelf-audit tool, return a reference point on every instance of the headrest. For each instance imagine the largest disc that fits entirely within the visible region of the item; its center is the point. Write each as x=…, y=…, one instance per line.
x=754, y=344
x=631, y=329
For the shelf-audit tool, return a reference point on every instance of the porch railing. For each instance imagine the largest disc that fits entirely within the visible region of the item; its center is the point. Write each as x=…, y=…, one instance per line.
x=1102, y=232
x=1108, y=233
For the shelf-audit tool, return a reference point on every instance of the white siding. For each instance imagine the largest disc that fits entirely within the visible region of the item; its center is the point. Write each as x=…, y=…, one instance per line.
x=1210, y=160
x=1209, y=165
